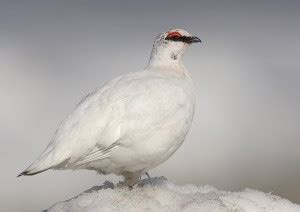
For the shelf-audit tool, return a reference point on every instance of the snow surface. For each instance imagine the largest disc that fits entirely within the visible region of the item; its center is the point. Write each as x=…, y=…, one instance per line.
x=158, y=194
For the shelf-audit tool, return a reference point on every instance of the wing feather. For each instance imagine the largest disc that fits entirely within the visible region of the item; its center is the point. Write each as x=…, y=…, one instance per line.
x=97, y=154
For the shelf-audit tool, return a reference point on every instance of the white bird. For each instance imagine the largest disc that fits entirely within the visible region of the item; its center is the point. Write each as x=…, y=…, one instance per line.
x=133, y=123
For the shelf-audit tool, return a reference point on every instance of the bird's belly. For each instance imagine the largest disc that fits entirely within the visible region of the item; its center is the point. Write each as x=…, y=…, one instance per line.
x=153, y=148
x=145, y=151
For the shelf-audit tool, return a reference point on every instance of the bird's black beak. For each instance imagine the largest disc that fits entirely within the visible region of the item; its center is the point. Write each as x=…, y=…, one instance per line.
x=185, y=39
x=194, y=39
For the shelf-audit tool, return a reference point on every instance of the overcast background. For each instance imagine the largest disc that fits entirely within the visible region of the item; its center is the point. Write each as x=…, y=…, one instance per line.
x=247, y=76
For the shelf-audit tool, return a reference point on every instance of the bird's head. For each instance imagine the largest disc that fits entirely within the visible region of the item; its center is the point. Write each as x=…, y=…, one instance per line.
x=169, y=47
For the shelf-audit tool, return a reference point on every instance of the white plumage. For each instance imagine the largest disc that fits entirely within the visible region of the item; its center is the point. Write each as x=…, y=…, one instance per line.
x=131, y=124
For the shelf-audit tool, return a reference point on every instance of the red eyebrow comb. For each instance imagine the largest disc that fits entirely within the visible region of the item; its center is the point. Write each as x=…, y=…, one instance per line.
x=173, y=34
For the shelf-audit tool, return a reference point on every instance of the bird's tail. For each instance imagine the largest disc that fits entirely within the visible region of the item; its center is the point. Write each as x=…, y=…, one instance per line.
x=28, y=172
x=43, y=163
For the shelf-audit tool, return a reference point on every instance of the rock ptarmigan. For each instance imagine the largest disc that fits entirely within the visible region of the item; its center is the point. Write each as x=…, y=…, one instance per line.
x=133, y=123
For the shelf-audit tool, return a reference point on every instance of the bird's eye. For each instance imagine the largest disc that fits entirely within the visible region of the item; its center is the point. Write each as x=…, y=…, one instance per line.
x=173, y=36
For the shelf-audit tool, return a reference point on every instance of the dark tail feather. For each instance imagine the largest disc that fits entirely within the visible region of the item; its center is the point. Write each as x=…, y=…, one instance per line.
x=30, y=173
x=43, y=163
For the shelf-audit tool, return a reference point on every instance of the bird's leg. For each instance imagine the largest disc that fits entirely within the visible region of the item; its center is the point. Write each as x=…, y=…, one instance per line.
x=147, y=175
x=131, y=179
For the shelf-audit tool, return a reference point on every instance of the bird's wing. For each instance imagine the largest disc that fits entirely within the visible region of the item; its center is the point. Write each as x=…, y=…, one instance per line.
x=138, y=107
x=127, y=105
x=97, y=154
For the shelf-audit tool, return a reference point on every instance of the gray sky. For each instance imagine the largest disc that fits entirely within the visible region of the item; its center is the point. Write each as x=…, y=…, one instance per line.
x=247, y=75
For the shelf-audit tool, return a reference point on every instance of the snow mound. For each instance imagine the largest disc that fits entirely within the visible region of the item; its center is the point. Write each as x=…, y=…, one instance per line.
x=158, y=194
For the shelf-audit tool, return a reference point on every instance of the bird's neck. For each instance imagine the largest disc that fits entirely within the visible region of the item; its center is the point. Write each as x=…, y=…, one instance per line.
x=164, y=60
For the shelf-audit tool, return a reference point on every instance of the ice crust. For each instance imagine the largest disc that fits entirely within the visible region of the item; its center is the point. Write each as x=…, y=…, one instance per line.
x=159, y=194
